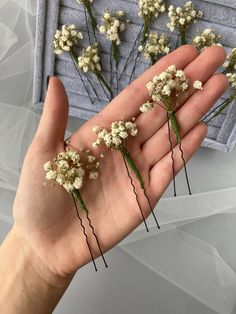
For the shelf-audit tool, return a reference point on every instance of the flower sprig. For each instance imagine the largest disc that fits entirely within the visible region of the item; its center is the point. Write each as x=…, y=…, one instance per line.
x=155, y=46
x=69, y=169
x=116, y=139
x=164, y=90
x=66, y=38
x=148, y=10
x=88, y=7
x=206, y=38
x=221, y=107
x=230, y=62
x=181, y=18
x=90, y=61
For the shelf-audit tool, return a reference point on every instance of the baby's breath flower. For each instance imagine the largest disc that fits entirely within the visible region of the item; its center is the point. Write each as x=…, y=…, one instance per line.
x=162, y=87
x=66, y=38
x=89, y=60
x=147, y=106
x=198, y=85
x=206, y=38
x=232, y=80
x=148, y=10
x=112, y=25
x=182, y=17
x=120, y=130
x=151, y=8
x=155, y=46
x=69, y=171
x=230, y=63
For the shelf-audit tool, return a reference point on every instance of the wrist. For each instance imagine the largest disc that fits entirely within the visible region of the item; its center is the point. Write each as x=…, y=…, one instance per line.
x=29, y=285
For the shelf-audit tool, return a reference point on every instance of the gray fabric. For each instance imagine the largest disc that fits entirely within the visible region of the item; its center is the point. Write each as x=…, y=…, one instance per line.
x=218, y=14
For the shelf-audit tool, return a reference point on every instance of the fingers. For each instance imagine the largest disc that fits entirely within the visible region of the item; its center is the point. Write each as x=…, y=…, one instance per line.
x=161, y=174
x=53, y=122
x=188, y=116
x=202, y=68
x=127, y=103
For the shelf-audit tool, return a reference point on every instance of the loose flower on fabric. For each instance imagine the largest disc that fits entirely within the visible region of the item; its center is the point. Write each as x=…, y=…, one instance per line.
x=230, y=63
x=155, y=46
x=66, y=38
x=181, y=18
x=206, y=38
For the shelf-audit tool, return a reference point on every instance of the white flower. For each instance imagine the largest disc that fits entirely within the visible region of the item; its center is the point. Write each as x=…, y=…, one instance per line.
x=93, y=175
x=230, y=62
x=198, y=85
x=151, y=8
x=120, y=130
x=67, y=171
x=165, y=85
x=206, y=38
x=147, y=106
x=112, y=25
x=89, y=60
x=182, y=17
x=232, y=80
x=156, y=45
x=66, y=38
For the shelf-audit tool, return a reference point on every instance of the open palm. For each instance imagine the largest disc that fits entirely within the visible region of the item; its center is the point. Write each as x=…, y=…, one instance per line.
x=45, y=216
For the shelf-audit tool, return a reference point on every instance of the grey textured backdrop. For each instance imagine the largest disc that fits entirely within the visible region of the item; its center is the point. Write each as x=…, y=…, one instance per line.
x=218, y=14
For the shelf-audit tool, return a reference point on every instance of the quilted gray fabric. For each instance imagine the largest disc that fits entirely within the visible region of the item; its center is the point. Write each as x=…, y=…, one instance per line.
x=218, y=14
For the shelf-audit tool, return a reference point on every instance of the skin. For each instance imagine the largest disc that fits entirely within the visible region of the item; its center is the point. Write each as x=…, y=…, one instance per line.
x=46, y=246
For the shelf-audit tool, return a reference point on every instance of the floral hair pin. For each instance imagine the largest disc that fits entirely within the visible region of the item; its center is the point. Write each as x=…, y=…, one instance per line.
x=113, y=24
x=148, y=11
x=230, y=63
x=221, y=107
x=165, y=90
x=155, y=47
x=88, y=11
x=68, y=170
x=116, y=139
x=65, y=41
x=181, y=18
x=206, y=38
x=90, y=61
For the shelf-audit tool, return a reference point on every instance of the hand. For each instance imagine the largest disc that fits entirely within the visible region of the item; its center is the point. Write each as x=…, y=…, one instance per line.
x=45, y=216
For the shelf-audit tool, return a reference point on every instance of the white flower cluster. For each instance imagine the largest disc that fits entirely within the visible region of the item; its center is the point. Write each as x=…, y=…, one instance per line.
x=182, y=17
x=68, y=170
x=120, y=130
x=66, y=38
x=162, y=87
x=156, y=45
x=112, y=25
x=151, y=8
x=232, y=80
x=85, y=2
x=231, y=60
x=197, y=85
x=206, y=38
x=147, y=106
x=89, y=60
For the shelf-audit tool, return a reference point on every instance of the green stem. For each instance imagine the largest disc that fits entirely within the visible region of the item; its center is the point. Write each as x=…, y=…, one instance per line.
x=145, y=32
x=105, y=84
x=80, y=200
x=183, y=37
x=175, y=126
x=115, y=53
x=132, y=166
x=93, y=21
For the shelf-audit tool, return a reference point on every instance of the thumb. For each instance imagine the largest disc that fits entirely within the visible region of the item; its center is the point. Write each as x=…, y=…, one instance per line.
x=52, y=125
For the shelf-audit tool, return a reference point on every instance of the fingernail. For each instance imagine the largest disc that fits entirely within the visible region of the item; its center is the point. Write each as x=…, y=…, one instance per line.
x=48, y=79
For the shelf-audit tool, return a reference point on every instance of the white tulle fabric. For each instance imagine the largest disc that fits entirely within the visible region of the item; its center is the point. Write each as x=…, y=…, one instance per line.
x=195, y=249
